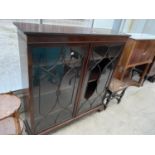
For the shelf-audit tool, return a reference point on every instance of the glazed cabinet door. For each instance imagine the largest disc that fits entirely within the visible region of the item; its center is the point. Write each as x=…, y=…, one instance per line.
x=55, y=77
x=103, y=59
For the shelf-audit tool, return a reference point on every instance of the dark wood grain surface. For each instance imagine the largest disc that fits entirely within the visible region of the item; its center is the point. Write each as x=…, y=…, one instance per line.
x=56, y=29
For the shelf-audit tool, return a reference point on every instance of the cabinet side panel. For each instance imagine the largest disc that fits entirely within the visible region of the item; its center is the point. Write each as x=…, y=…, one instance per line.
x=22, y=40
x=23, y=53
x=125, y=57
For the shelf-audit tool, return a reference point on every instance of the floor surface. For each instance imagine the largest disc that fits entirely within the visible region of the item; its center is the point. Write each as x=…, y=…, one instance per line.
x=134, y=115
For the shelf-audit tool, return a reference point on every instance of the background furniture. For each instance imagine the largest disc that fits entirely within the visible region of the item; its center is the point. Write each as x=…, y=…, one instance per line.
x=9, y=116
x=69, y=69
x=150, y=75
x=139, y=50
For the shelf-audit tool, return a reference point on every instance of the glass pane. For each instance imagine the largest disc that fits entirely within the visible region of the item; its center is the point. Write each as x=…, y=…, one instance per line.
x=56, y=73
x=101, y=65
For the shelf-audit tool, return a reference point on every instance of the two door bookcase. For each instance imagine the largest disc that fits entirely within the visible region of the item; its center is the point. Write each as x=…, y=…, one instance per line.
x=69, y=69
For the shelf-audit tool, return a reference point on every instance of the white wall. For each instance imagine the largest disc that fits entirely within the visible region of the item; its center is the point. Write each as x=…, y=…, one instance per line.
x=139, y=26
x=103, y=23
x=10, y=71
x=149, y=27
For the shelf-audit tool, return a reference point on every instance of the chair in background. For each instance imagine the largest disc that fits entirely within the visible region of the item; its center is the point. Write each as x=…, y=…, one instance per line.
x=115, y=90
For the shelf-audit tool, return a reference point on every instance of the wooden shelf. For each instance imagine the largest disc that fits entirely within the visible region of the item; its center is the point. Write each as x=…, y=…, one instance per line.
x=131, y=82
x=45, y=90
x=55, y=111
x=67, y=62
x=138, y=64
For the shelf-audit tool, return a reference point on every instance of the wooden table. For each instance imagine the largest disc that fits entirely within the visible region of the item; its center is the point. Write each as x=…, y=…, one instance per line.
x=9, y=126
x=9, y=117
x=9, y=104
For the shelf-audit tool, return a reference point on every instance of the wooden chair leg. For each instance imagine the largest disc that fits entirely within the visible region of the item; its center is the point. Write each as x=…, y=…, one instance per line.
x=108, y=99
x=104, y=98
x=121, y=95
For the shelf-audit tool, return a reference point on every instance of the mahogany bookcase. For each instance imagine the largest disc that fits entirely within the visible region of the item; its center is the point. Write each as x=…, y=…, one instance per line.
x=69, y=69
